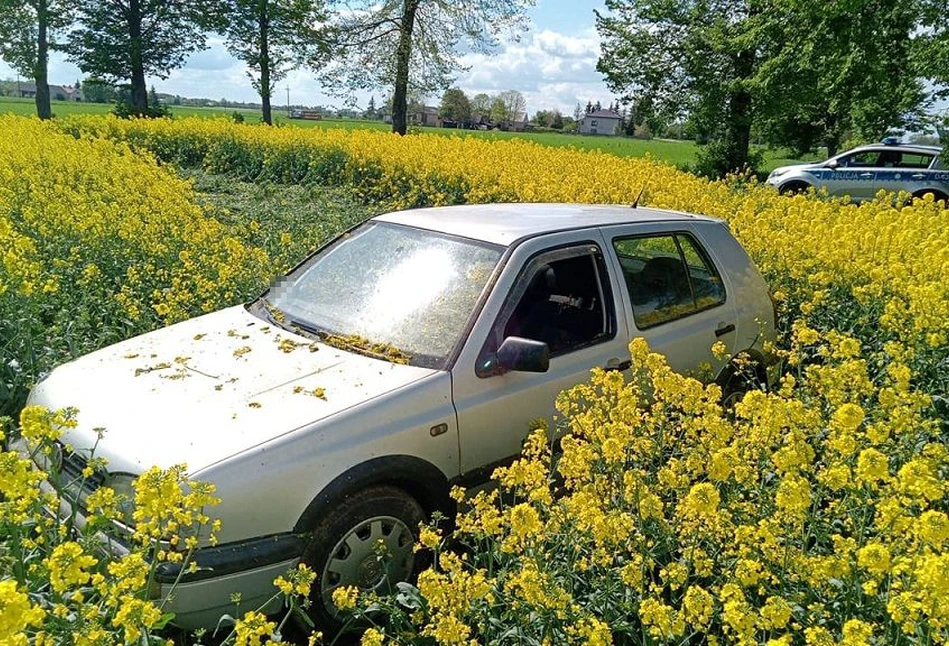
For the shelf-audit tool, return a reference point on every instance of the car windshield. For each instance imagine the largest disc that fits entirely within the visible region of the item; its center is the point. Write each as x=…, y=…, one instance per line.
x=392, y=289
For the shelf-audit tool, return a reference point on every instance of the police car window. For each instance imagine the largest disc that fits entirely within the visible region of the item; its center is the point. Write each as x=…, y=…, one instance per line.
x=915, y=160
x=667, y=277
x=862, y=159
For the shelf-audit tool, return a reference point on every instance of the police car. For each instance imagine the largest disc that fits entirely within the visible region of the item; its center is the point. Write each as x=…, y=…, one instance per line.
x=862, y=172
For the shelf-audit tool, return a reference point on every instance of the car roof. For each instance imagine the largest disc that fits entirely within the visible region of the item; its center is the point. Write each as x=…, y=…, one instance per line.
x=912, y=148
x=505, y=224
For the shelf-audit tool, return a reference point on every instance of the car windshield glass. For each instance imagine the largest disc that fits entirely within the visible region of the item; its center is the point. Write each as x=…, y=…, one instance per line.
x=405, y=290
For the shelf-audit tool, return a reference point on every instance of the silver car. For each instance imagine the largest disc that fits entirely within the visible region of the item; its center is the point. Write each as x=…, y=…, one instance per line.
x=408, y=355
x=864, y=171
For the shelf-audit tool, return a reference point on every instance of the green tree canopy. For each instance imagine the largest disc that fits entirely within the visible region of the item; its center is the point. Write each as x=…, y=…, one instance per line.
x=124, y=41
x=455, y=105
x=481, y=103
x=840, y=71
x=695, y=58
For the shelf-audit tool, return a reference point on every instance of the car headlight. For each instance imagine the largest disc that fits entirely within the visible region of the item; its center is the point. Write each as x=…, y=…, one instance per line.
x=777, y=172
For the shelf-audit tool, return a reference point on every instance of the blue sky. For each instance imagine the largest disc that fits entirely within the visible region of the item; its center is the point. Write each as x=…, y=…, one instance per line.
x=553, y=65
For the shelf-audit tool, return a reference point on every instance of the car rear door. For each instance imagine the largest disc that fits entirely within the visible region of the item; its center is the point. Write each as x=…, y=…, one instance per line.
x=675, y=293
x=560, y=289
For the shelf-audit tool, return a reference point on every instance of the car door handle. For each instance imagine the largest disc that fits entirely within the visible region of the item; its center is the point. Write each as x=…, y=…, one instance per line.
x=724, y=329
x=618, y=364
x=917, y=176
x=866, y=175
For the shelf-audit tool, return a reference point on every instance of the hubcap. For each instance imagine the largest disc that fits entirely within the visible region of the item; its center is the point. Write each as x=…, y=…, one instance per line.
x=355, y=560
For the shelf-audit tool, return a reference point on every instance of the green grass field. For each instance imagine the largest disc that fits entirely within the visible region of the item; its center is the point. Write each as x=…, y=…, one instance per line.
x=679, y=153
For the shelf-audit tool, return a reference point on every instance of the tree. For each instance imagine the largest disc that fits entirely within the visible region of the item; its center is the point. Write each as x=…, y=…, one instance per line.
x=124, y=41
x=269, y=36
x=28, y=30
x=577, y=112
x=865, y=80
x=689, y=58
x=508, y=107
x=589, y=107
x=455, y=105
x=371, y=112
x=542, y=118
x=413, y=44
x=98, y=91
x=556, y=120
x=481, y=103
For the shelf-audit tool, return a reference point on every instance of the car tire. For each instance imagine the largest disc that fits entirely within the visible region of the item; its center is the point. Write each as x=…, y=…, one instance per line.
x=736, y=381
x=794, y=188
x=938, y=196
x=341, y=549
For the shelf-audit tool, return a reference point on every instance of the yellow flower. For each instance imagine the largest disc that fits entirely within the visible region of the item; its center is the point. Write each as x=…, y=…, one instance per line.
x=345, y=597
x=16, y=614
x=68, y=567
x=874, y=558
x=372, y=637
x=252, y=629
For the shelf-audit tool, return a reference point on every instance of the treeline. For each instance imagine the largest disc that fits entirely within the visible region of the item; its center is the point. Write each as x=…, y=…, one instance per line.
x=412, y=45
x=787, y=73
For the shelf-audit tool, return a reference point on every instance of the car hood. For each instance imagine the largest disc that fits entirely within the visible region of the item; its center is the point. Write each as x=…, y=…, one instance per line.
x=781, y=170
x=200, y=391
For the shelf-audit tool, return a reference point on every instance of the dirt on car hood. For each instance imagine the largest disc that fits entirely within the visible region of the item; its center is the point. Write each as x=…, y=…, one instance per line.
x=200, y=391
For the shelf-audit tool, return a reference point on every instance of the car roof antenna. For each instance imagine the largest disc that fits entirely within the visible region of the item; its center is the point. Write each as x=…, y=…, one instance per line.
x=635, y=204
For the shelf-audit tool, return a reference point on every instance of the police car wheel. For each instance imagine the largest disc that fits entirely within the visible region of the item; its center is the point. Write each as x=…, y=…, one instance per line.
x=937, y=196
x=794, y=188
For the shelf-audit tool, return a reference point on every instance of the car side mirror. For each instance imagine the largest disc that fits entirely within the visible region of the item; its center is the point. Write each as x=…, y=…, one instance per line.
x=523, y=355
x=832, y=164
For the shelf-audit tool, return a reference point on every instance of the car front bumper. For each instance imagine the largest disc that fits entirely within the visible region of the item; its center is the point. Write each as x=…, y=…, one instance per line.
x=242, y=570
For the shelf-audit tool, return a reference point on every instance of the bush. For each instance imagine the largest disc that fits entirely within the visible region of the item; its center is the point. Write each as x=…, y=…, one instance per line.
x=126, y=110
x=716, y=159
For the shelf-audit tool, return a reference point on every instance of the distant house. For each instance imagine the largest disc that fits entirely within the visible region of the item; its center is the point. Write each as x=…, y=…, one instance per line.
x=428, y=116
x=601, y=122
x=520, y=124
x=56, y=92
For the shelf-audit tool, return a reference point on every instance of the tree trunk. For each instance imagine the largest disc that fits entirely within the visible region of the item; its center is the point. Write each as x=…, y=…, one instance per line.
x=40, y=72
x=738, y=134
x=139, y=91
x=402, y=56
x=264, y=64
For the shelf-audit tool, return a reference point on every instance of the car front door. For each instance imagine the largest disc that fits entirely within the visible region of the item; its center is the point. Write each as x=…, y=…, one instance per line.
x=675, y=294
x=558, y=289
x=855, y=175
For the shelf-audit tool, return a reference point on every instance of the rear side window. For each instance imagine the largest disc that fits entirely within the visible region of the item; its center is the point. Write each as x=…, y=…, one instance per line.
x=915, y=160
x=668, y=277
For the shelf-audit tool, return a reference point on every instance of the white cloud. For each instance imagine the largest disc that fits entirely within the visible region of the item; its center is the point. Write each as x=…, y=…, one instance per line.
x=552, y=70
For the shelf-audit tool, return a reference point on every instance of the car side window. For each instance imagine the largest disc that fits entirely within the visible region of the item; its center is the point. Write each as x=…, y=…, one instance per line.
x=668, y=277
x=562, y=298
x=862, y=159
x=916, y=160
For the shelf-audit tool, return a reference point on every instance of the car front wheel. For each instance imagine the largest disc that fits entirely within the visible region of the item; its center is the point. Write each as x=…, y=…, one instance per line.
x=795, y=188
x=366, y=542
